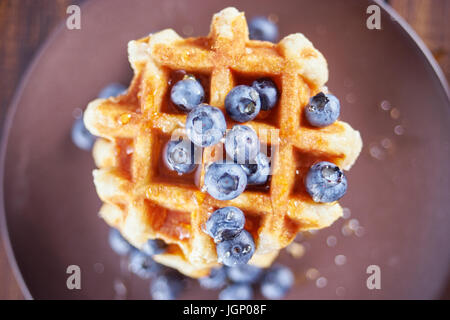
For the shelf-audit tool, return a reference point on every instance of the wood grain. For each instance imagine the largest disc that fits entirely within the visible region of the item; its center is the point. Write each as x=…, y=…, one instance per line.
x=25, y=24
x=430, y=19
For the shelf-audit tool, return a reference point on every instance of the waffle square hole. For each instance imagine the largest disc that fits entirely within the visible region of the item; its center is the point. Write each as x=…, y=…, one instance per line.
x=253, y=222
x=268, y=117
x=176, y=75
x=124, y=150
x=172, y=224
x=176, y=224
x=162, y=173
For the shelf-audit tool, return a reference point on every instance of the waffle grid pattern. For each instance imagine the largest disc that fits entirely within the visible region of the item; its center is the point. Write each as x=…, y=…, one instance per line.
x=133, y=127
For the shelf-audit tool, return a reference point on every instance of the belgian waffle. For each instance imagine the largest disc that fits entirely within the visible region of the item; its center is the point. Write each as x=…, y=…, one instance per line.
x=144, y=200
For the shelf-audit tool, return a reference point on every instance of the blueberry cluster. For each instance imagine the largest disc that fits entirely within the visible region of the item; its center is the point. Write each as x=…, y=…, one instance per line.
x=234, y=245
x=325, y=182
x=239, y=282
x=243, y=103
x=206, y=126
x=140, y=261
x=166, y=283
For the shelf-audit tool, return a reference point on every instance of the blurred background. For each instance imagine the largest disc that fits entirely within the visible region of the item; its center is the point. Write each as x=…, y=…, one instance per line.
x=26, y=24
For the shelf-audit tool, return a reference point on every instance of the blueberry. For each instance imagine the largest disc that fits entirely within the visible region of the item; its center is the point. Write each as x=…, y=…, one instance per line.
x=179, y=155
x=268, y=92
x=322, y=110
x=242, y=144
x=205, y=125
x=243, y=103
x=225, y=223
x=261, y=28
x=154, y=246
x=225, y=181
x=325, y=182
x=187, y=94
x=244, y=273
x=112, y=90
x=237, y=291
x=277, y=282
x=143, y=265
x=237, y=250
x=118, y=243
x=167, y=286
x=216, y=279
x=81, y=137
x=258, y=171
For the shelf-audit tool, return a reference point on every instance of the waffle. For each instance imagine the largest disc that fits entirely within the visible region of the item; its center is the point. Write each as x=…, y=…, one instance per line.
x=144, y=200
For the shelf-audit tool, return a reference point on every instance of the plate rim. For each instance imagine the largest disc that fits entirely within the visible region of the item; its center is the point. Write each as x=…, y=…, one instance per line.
x=4, y=139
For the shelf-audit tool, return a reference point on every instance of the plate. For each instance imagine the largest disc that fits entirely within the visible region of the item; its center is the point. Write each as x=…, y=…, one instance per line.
x=391, y=91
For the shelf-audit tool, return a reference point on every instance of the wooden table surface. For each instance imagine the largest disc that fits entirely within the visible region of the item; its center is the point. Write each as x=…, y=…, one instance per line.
x=25, y=24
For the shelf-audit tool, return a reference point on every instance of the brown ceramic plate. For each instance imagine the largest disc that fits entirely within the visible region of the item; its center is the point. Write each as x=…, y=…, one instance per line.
x=390, y=88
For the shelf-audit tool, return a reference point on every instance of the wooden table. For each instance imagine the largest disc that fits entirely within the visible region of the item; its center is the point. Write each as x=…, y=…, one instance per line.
x=25, y=24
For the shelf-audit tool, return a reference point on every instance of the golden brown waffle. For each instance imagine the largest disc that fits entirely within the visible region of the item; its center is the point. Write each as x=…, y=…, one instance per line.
x=144, y=200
